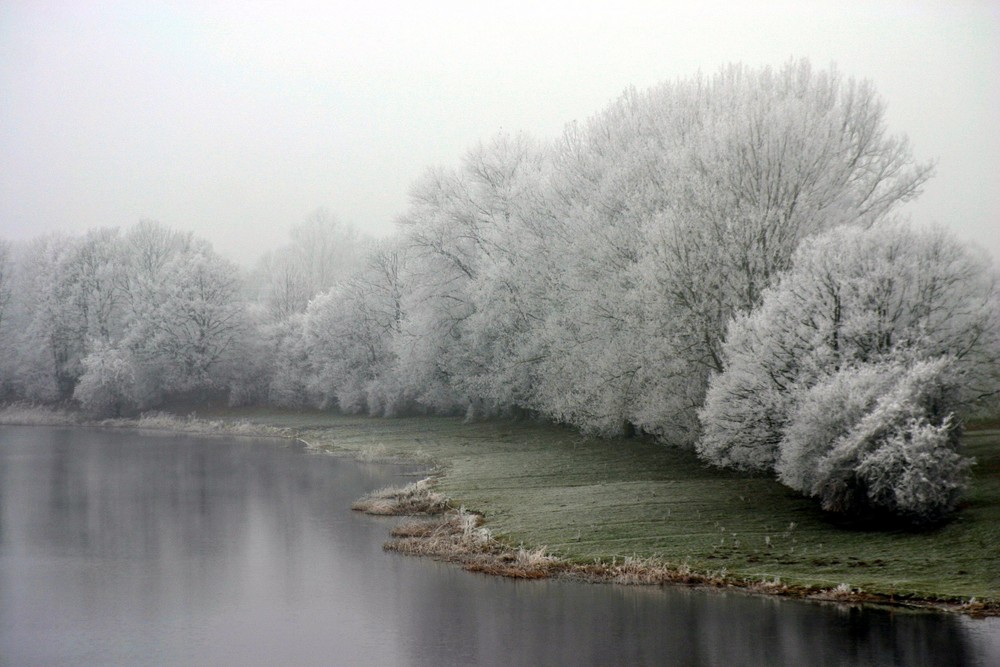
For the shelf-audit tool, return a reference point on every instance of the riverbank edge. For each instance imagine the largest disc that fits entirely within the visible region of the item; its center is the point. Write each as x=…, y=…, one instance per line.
x=458, y=536
x=435, y=528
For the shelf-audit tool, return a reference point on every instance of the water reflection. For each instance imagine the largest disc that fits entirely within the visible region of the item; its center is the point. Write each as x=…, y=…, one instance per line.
x=125, y=549
x=490, y=622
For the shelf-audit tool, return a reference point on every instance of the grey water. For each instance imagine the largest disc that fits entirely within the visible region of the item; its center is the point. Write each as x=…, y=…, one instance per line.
x=118, y=548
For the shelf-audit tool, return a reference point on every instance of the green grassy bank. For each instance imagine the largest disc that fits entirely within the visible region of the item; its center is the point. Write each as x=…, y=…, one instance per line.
x=587, y=499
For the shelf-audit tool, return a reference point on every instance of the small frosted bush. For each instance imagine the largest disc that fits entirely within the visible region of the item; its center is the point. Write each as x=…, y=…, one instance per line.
x=916, y=472
x=825, y=414
x=900, y=458
x=107, y=386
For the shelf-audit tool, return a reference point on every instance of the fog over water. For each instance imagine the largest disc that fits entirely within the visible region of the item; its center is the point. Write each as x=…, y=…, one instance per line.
x=237, y=120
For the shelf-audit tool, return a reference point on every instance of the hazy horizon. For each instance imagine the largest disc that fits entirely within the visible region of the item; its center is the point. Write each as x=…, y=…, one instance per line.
x=237, y=121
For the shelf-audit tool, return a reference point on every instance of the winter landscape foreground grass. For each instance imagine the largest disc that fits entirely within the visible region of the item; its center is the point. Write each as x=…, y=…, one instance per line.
x=588, y=500
x=605, y=505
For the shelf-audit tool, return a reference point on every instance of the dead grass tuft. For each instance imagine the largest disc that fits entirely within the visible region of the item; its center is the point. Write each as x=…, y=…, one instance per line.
x=842, y=592
x=415, y=498
x=416, y=528
x=633, y=571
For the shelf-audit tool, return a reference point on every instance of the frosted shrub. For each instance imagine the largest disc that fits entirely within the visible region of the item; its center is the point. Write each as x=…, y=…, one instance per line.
x=107, y=386
x=290, y=372
x=916, y=472
x=824, y=415
x=842, y=380
x=901, y=458
x=745, y=411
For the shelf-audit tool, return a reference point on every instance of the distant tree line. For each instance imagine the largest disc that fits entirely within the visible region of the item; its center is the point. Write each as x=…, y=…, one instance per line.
x=713, y=261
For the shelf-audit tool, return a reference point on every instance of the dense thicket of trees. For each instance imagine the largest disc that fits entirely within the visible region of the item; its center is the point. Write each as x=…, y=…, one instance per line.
x=610, y=278
x=863, y=353
x=120, y=320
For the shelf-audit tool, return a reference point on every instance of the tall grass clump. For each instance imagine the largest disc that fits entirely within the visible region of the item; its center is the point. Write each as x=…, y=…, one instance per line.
x=415, y=498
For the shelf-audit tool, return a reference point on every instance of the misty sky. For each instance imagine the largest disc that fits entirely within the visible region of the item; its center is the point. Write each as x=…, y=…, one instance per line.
x=238, y=119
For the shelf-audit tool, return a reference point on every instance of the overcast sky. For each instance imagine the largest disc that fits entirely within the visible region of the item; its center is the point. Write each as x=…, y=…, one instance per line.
x=237, y=119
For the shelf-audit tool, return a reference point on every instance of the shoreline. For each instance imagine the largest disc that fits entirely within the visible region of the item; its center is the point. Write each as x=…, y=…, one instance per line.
x=463, y=537
x=435, y=528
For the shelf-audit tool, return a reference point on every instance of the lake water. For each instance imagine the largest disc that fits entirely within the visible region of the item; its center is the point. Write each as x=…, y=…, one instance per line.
x=124, y=549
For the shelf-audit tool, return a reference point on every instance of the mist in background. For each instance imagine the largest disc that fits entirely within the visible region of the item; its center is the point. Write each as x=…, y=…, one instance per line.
x=238, y=120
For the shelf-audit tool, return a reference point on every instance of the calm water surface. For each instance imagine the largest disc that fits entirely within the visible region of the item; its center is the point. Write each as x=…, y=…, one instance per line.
x=126, y=549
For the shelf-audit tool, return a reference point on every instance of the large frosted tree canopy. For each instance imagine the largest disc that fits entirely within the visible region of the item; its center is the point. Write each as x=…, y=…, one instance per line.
x=727, y=236
x=672, y=210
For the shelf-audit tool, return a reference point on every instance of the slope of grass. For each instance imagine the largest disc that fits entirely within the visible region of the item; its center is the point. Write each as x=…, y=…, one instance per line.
x=590, y=499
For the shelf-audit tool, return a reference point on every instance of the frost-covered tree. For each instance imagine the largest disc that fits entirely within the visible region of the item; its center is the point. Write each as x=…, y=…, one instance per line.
x=49, y=305
x=770, y=157
x=96, y=266
x=606, y=182
x=444, y=240
x=248, y=370
x=682, y=204
x=512, y=293
x=325, y=250
x=6, y=277
x=145, y=250
x=339, y=352
x=279, y=285
x=290, y=371
x=373, y=306
x=7, y=349
x=343, y=354
x=64, y=298
x=858, y=316
x=322, y=251
x=190, y=324
x=469, y=232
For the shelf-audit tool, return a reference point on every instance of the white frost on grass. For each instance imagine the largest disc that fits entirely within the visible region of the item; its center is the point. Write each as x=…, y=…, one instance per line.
x=29, y=414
